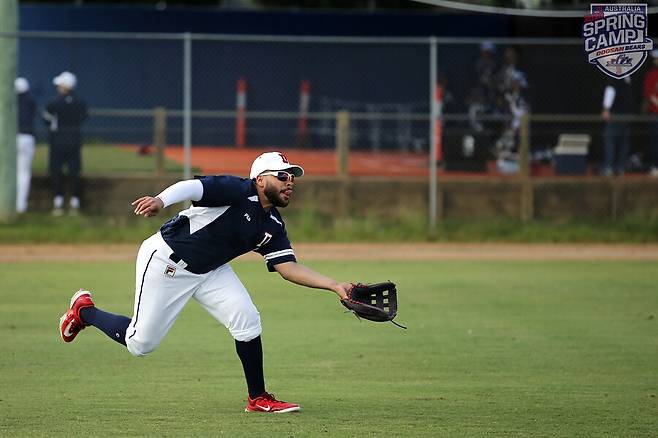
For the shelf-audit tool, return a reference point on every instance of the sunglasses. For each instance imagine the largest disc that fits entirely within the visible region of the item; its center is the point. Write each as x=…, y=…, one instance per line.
x=281, y=176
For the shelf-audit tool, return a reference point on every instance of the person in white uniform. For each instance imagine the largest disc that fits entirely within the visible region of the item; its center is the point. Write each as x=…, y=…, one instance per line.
x=189, y=258
x=24, y=142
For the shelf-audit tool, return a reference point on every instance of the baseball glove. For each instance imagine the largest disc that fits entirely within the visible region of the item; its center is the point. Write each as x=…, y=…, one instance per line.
x=376, y=302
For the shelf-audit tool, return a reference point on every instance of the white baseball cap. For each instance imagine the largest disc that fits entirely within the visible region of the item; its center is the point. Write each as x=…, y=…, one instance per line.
x=488, y=45
x=21, y=85
x=66, y=79
x=273, y=161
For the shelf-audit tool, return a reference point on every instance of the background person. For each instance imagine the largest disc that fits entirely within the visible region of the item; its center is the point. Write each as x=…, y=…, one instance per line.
x=650, y=106
x=617, y=100
x=24, y=142
x=64, y=116
x=485, y=70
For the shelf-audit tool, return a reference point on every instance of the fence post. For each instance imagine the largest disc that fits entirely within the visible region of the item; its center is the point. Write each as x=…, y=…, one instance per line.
x=342, y=142
x=241, y=112
x=159, y=137
x=302, y=123
x=527, y=190
x=433, y=153
x=342, y=155
x=187, y=107
x=614, y=201
x=8, y=48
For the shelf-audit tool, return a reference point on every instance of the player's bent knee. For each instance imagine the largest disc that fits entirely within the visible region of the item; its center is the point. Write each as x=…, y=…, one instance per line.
x=246, y=336
x=139, y=349
x=247, y=326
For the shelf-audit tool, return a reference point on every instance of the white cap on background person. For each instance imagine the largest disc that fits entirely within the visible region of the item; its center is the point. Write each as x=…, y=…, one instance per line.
x=273, y=161
x=65, y=79
x=654, y=53
x=488, y=46
x=21, y=85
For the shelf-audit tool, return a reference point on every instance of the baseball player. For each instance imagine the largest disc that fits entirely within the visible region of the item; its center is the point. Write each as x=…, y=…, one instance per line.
x=188, y=258
x=24, y=142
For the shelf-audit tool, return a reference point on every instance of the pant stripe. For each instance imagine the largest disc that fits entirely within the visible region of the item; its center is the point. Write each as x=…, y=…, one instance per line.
x=139, y=299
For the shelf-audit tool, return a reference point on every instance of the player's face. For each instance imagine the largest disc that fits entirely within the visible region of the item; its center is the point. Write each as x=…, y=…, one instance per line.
x=278, y=188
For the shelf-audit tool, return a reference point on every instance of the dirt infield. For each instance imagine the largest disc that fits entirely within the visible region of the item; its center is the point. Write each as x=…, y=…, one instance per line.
x=221, y=160
x=361, y=251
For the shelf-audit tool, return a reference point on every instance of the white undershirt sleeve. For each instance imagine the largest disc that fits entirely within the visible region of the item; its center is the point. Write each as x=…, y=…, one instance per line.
x=189, y=190
x=609, y=97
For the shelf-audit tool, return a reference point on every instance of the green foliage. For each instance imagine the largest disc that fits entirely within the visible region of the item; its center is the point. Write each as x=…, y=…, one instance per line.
x=537, y=349
x=43, y=228
x=310, y=226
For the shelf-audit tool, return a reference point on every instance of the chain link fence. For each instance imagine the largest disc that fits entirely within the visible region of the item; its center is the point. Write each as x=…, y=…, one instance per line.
x=174, y=105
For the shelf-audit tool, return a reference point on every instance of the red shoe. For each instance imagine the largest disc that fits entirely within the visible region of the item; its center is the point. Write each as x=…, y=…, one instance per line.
x=267, y=403
x=71, y=323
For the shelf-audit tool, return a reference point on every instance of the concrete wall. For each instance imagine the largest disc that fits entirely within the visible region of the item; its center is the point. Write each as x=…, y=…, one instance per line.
x=554, y=199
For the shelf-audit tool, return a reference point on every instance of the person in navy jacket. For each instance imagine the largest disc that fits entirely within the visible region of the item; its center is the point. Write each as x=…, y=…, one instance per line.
x=64, y=117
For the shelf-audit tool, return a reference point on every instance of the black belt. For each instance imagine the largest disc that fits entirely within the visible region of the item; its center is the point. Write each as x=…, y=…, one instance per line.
x=174, y=258
x=179, y=261
x=182, y=264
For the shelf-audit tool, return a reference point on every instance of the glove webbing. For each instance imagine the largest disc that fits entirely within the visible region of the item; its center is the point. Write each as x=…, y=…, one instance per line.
x=360, y=320
x=382, y=301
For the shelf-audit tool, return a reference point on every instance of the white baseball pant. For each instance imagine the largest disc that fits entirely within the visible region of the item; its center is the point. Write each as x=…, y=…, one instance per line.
x=162, y=288
x=24, y=155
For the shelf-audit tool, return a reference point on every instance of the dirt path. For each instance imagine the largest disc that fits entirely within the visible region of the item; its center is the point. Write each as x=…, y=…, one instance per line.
x=361, y=251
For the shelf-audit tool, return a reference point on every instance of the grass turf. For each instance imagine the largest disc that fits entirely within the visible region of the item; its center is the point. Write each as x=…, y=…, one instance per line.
x=307, y=226
x=103, y=158
x=493, y=349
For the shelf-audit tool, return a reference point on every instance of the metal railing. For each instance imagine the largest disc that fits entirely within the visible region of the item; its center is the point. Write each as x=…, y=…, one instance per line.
x=386, y=89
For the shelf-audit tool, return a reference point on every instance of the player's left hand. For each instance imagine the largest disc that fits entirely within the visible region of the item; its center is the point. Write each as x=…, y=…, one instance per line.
x=148, y=206
x=342, y=290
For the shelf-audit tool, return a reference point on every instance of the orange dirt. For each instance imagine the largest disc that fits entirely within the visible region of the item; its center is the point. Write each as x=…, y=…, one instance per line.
x=229, y=160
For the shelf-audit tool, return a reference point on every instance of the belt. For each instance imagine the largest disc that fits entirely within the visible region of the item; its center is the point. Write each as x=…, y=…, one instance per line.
x=176, y=259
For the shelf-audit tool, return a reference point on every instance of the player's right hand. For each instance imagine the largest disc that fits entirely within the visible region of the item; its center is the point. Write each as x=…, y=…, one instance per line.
x=148, y=206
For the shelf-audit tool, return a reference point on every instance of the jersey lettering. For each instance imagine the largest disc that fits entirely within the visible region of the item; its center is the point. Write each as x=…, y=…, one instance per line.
x=266, y=239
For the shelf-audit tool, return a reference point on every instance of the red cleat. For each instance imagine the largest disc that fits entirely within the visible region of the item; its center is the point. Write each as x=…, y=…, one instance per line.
x=71, y=323
x=267, y=403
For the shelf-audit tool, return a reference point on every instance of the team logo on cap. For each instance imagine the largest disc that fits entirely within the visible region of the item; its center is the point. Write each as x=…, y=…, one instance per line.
x=616, y=38
x=284, y=158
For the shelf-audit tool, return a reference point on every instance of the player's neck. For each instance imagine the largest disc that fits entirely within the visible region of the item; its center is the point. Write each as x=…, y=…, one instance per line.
x=264, y=202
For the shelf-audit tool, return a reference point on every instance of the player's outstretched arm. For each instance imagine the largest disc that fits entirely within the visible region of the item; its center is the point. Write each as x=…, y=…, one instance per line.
x=305, y=276
x=190, y=190
x=148, y=206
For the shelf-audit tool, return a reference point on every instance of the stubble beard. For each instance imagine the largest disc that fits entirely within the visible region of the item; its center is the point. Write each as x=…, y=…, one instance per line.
x=274, y=196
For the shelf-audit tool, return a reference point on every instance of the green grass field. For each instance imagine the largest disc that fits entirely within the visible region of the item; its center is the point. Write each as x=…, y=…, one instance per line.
x=309, y=226
x=103, y=158
x=493, y=349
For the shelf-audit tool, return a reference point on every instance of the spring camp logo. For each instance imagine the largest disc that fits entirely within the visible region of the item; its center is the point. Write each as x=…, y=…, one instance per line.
x=616, y=38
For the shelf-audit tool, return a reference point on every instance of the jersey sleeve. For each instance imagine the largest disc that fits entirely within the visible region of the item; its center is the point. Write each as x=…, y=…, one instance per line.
x=277, y=250
x=219, y=191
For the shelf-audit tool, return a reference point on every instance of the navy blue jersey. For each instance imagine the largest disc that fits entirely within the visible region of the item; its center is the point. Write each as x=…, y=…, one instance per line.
x=226, y=222
x=26, y=110
x=65, y=115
